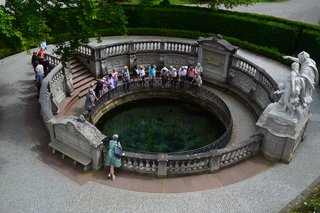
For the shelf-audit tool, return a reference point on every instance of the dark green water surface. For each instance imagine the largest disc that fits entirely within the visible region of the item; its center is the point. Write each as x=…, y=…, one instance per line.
x=161, y=126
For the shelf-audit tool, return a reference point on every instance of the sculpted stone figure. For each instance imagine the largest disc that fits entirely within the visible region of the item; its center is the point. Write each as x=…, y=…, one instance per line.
x=308, y=73
x=283, y=123
x=290, y=90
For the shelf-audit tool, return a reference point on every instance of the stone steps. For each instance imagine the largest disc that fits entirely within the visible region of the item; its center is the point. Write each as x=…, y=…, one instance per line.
x=82, y=78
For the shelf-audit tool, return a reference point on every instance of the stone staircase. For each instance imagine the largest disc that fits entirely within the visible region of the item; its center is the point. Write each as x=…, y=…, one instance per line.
x=81, y=78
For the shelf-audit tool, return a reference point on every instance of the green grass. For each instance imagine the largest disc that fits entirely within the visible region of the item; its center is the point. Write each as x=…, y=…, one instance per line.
x=311, y=204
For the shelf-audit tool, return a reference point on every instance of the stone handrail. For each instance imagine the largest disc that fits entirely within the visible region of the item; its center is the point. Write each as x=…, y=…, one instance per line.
x=203, y=95
x=53, y=60
x=258, y=85
x=48, y=106
x=133, y=47
x=79, y=135
x=163, y=165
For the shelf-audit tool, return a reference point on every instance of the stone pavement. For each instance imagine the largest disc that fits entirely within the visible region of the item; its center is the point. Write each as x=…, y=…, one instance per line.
x=297, y=10
x=35, y=182
x=29, y=184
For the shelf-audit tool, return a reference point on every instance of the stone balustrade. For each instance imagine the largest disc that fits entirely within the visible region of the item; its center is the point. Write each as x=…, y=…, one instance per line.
x=101, y=60
x=233, y=70
x=77, y=135
x=252, y=80
x=53, y=60
x=164, y=165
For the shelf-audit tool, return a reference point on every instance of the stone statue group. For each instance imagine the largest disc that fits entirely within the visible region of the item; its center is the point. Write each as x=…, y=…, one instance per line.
x=296, y=91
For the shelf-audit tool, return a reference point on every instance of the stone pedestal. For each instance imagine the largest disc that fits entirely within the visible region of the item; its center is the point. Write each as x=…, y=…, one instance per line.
x=282, y=132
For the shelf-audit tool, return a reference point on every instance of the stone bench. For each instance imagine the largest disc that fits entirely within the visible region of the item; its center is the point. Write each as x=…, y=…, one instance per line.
x=71, y=153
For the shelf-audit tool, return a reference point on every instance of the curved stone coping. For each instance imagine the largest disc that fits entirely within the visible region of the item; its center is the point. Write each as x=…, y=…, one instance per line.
x=163, y=165
x=125, y=46
x=45, y=95
x=242, y=74
x=183, y=91
x=160, y=165
x=202, y=160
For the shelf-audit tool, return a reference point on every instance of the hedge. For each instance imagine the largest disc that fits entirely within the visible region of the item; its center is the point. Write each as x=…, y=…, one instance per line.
x=288, y=37
x=268, y=35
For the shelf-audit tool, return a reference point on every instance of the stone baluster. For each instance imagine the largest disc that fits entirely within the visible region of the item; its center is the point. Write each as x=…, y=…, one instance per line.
x=162, y=165
x=154, y=166
x=214, y=161
x=141, y=166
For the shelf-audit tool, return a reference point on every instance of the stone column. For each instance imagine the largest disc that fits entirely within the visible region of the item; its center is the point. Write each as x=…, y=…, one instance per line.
x=214, y=163
x=162, y=165
x=97, y=155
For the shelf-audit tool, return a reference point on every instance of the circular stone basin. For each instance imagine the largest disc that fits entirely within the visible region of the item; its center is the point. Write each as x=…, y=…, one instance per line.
x=161, y=125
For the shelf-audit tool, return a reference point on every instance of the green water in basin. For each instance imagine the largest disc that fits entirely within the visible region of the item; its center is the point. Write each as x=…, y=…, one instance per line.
x=161, y=126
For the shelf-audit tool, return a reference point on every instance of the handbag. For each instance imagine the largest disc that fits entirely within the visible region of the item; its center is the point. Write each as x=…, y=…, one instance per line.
x=118, y=152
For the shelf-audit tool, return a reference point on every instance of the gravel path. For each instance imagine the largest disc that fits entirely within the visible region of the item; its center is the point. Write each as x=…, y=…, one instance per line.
x=28, y=185
x=299, y=10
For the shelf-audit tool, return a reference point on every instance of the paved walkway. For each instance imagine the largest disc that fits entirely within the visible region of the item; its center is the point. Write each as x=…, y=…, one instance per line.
x=297, y=10
x=28, y=184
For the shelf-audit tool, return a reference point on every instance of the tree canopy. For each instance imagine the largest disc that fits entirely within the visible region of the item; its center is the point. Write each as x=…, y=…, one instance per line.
x=25, y=23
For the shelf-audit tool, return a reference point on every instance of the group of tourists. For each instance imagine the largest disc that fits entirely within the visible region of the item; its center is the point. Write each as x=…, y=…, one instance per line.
x=40, y=67
x=185, y=74
x=191, y=74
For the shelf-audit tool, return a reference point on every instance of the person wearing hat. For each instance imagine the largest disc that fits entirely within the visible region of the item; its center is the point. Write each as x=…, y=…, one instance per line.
x=164, y=73
x=110, y=158
x=142, y=74
x=173, y=76
x=182, y=75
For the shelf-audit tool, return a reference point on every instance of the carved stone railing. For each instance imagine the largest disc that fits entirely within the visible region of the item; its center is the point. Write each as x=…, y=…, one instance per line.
x=241, y=73
x=53, y=60
x=174, y=163
x=253, y=80
x=49, y=105
x=182, y=91
x=163, y=165
x=102, y=59
x=81, y=136
x=123, y=48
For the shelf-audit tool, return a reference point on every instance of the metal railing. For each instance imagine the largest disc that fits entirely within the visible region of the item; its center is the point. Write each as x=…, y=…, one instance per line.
x=174, y=87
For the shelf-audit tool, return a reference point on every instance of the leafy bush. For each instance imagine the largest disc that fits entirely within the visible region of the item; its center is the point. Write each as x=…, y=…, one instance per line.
x=288, y=37
x=311, y=204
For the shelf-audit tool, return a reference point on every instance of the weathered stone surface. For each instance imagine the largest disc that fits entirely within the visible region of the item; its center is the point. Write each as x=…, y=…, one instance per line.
x=81, y=136
x=282, y=133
